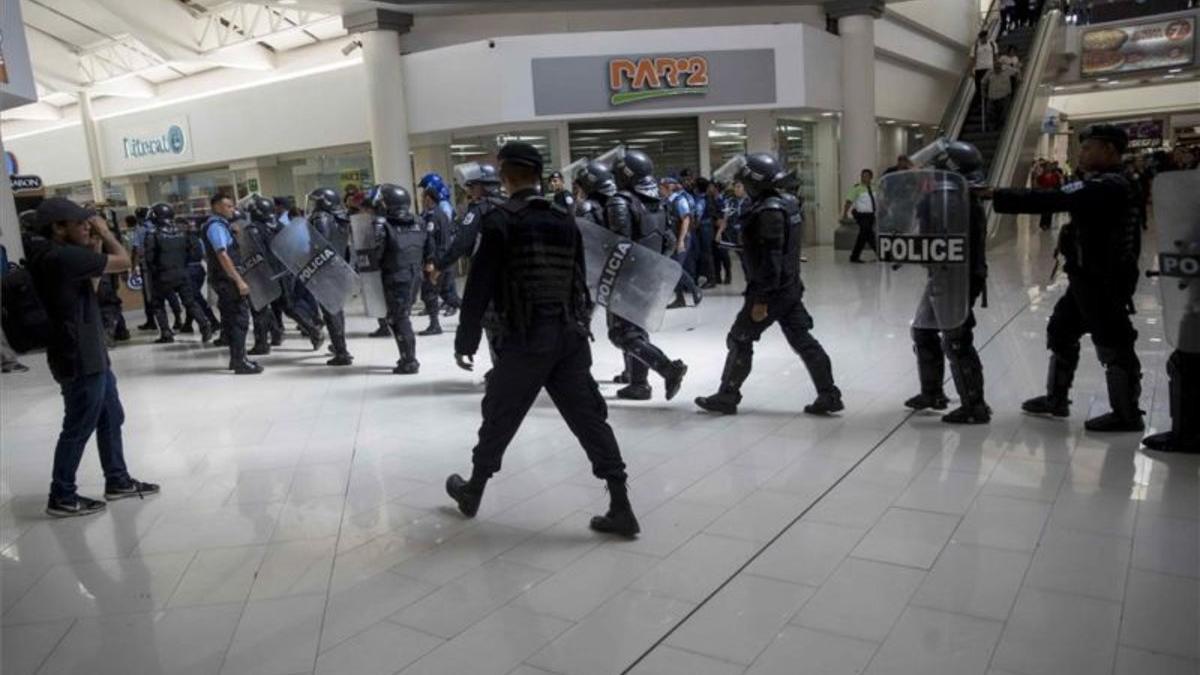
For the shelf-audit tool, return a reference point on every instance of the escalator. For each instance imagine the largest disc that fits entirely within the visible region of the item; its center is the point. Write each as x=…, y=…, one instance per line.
x=1009, y=145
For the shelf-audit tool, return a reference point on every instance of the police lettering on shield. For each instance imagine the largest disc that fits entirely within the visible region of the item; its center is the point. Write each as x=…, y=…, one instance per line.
x=922, y=249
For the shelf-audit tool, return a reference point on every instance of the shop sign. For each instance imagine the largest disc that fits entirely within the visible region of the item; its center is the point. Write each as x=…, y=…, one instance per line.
x=1147, y=133
x=25, y=183
x=1145, y=46
x=150, y=144
x=606, y=83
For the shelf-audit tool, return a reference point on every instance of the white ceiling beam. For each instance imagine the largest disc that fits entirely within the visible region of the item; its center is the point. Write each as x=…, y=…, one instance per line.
x=147, y=19
x=37, y=112
x=57, y=66
x=128, y=86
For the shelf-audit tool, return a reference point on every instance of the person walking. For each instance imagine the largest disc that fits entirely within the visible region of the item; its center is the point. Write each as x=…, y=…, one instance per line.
x=860, y=203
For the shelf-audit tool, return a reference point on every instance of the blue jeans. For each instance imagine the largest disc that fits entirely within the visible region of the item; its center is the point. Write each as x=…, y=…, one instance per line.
x=92, y=404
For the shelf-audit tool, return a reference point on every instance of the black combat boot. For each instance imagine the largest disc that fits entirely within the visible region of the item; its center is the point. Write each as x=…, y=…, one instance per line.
x=640, y=391
x=678, y=302
x=165, y=339
x=342, y=359
x=434, y=328
x=382, y=331
x=245, y=368
x=723, y=402
x=1184, y=436
x=967, y=371
x=674, y=378
x=1060, y=375
x=467, y=494
x=619, y=520
x=935, y=400
x=826, y=403
x=260, y=349
x=186, y=328
x=1124, y=389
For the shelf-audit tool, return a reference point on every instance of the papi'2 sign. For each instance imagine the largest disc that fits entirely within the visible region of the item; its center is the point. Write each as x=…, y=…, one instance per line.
x=655, y=77
x=922, y=249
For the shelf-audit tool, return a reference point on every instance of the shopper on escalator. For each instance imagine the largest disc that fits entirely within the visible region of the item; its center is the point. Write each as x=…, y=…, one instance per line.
x=998, y=86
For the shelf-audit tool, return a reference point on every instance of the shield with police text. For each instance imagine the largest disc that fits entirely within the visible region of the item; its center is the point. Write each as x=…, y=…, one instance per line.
x=1177, y=216
x=626, y=278
x=256, y=269
x=322, y=270
x=923, y=220
x=366, y=263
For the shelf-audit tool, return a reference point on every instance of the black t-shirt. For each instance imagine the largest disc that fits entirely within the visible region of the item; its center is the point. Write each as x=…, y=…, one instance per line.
x=63, y=276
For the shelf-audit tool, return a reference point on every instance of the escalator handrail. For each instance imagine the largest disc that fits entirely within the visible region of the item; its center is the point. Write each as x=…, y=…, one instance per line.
x=1010, y=146
x=960, y=103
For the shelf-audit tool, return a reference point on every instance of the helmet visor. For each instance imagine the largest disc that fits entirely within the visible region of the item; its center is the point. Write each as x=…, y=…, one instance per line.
x=465, y=174
x=611, y=156
x=930, y=154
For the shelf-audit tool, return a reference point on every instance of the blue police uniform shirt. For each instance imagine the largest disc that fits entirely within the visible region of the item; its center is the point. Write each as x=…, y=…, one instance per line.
x=284, y=218
x=446, y=208
x=218, y=233
x=139, y=234
x=682, y=207
x=700, y=205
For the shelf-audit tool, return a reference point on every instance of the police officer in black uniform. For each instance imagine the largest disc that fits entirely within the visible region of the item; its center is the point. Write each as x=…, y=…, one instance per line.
x=774, y=292
x=596, y=184
x=441, y=229
x=530, y=267
x=958, y=344
x=635, y=212
x=329, y=217
x=224, y=260
x=484, y=196
x=405, y=249
x=559, y=192
x=259, y=215
x=1101, y=246
x=168, y=250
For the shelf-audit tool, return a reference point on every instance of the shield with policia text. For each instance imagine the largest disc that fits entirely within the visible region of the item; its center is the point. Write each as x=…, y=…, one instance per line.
x=366, y=263
x=322, y=270
x=1177, y=216
x=923, y=220
x=256, y=267
x=627, y=278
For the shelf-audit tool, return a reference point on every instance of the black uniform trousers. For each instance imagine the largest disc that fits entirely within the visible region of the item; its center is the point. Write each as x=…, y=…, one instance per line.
x=264, y=324
x=640, y=354
x=866, y=234
x=1103, y=314
x=430, y=295
x=180, y=284
x=197, y=275
x=787, y=309
x=934, y=347
x=336, y=323
x=559, y=358
x=400, y=295
x=447, y=285
x=235, y=319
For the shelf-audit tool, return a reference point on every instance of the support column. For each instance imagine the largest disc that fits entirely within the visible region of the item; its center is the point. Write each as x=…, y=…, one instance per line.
x=387, y=114
x=856, y=25
x=91, y=140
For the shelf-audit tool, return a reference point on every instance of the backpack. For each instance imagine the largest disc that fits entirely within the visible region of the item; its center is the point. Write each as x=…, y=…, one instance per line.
x=26, y=324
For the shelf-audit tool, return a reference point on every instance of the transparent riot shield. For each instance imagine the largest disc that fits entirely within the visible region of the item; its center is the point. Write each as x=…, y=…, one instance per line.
x=323, y=272
x=923, y=220
x=626, y=278
x=1177, y=217
x=256, y=269
x=366, y=263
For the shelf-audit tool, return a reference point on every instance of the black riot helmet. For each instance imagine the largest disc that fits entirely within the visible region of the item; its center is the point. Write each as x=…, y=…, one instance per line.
x=140, y=213
x=488, y=176
x=760, y=172
x=259, y=208
x=962, y=158
x=594, y=177
x=161, y=214
x=632, y=168
x=391, y=201
x=29, y=220
x=324, y=199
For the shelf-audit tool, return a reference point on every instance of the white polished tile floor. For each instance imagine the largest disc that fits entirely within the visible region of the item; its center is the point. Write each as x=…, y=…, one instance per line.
x=303, y=527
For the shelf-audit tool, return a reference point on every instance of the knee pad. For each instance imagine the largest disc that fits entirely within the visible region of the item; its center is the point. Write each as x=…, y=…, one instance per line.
x=739, y=343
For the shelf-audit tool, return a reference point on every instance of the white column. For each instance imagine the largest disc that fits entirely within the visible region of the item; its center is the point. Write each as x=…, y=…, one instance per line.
x=858, y=149
x=387, y=114
x=93, y=147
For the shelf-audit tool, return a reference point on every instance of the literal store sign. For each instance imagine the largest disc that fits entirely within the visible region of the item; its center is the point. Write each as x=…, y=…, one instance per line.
x=145, y=145
x=605, y=83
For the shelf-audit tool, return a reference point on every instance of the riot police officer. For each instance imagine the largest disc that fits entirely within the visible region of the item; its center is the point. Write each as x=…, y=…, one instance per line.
x=774, y=292
x=958, y=344
x=168, y=250
x=224, y=259
x=559, y=192
x=329, y=218
x=405, y=248
x=596, y=184
x=485, y=195
x=635, y=212
x=530, y=267
x=440, y=226
x=1101, y=246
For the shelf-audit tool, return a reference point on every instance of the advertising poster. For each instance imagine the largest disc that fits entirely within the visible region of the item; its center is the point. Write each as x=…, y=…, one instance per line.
x=1146, y=46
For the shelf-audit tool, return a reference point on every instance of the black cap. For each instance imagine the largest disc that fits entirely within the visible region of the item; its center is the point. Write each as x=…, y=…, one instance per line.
x=556, y=174
x=60, y=210
x=1107, y=132
x=524, y=154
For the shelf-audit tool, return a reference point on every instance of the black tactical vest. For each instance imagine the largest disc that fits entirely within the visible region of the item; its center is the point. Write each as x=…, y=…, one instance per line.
x=650, y=222
x=170, y=248
x=791, y=234
x=590, y=209
x=543, y=277
x=233, y=250
x=403, y=247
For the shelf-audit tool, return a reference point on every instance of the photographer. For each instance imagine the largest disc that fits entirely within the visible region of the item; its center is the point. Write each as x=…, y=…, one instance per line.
x=81, y=249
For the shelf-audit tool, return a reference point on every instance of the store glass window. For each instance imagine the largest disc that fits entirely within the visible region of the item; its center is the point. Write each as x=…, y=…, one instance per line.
x=673, y=143
x=484, y=148
x=795, y=140
x=340, y=171
x=189, y=193
x=726, y=140
x=81, y=193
